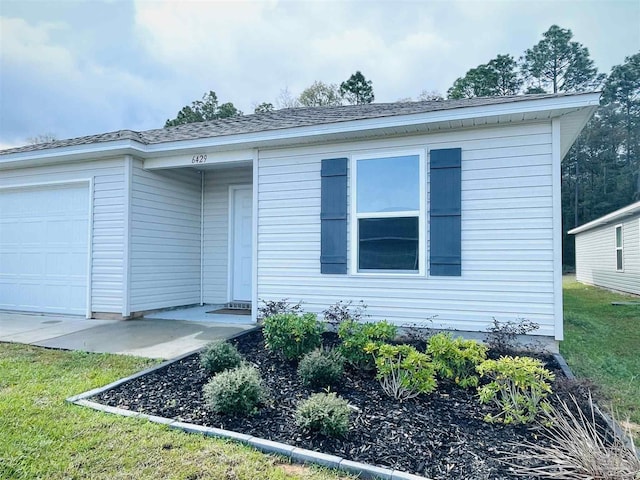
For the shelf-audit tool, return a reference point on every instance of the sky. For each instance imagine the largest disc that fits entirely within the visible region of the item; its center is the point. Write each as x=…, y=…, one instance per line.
x=71, y=68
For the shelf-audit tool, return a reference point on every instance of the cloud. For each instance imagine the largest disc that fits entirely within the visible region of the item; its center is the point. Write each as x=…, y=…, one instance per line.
x=97, y=66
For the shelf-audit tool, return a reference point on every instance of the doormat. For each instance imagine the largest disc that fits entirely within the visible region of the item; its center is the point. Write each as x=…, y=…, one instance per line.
x=231, y=311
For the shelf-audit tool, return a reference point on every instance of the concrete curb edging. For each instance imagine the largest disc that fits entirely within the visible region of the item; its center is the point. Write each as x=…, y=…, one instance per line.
x=618, y=431
x=296, y=454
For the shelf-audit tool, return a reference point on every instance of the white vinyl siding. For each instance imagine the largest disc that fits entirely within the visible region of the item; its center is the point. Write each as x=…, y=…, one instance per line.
x=507, y=233
x=596, y=256
x=165, y=238
x=108, y=225
x=216, y=230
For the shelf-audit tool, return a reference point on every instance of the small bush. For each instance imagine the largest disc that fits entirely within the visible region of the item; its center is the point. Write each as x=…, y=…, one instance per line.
x=292, y=335
x=270, y=308
x=403, y=372
x=578, y=448
x=356, y=336
x=325, y=413
x=321, y=368
x=342, y=311
x=456, y=358
x=238, y=391
x=503, y=336
x=518, y=387
x=219, y=356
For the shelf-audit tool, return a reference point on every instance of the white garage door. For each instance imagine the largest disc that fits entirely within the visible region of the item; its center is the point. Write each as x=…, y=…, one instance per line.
x=43, y=248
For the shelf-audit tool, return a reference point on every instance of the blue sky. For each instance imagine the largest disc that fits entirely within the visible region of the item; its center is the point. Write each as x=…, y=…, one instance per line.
x=73, y=68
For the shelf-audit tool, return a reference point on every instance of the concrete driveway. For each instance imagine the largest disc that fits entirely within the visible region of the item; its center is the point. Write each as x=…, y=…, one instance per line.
x=153, y=338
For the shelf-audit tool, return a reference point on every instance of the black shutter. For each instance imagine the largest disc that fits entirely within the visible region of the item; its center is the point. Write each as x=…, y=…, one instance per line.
x=445, y=210
x=333, y=216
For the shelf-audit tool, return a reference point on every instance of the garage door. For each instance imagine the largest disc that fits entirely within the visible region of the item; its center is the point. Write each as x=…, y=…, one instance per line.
x=43, y=248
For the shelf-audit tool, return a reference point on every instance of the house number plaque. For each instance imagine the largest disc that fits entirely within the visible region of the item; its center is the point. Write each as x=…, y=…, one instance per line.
x=201, y=158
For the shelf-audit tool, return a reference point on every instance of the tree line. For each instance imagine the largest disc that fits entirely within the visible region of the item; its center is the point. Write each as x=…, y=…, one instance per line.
x=600, y=173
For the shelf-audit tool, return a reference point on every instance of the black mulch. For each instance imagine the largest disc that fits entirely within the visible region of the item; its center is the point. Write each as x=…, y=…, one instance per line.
x=440, y=436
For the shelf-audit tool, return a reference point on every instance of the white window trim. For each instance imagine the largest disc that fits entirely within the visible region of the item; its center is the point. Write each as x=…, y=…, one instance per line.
x=353, y=214
x=621, y=247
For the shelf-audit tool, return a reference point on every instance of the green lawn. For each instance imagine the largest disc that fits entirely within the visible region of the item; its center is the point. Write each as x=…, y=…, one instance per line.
x=602, y=344
x=43, y=437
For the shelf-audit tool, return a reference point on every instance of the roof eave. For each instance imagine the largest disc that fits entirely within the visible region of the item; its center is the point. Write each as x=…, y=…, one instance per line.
x=608, y=219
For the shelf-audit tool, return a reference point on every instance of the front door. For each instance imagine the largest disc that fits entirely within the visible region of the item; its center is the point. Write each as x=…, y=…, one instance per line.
x=241, y=238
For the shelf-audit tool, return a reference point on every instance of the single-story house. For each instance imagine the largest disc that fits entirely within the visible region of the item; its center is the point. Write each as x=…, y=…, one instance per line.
x=608, y=250
x=442, y=213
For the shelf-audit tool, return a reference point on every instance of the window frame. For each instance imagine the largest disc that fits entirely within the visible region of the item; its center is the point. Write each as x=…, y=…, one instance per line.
x=619, y=248
x=354, y=216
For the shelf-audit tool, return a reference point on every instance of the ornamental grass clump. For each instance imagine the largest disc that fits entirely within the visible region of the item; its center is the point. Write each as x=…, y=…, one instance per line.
x=356, y=336
x=291, y=334
x=577, y=448
x=321, y=368
x=456, y=358
x=219, y=356
x=325, y=413
x=403, y=371
x=518, y=388
x=236, y=391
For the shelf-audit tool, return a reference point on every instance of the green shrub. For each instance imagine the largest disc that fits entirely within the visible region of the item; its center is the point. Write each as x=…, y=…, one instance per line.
x=292, y=335
x=237, y=391
x=321, y=368
x=456, y=358
x=325, y=413
x=356, y=336
x=219, y=356
x=518, y=387
x=403, y=372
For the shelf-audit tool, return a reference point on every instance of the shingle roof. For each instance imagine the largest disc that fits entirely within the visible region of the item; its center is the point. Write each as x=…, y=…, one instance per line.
x=279, y=119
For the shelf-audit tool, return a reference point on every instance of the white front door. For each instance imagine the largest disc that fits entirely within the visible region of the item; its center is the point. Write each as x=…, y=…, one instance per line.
x=241, y=238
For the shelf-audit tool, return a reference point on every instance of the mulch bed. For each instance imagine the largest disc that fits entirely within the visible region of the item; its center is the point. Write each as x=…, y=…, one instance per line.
x=440, y=436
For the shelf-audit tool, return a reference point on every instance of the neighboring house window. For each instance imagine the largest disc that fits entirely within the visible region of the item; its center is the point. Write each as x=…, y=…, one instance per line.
x=387, y=206
x=619, y=253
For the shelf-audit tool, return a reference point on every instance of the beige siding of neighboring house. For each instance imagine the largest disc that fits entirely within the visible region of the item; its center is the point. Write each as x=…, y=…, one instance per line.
x=216, y=229
x=596, y=256
x=507, y=233
x=107, y=236
x=165, y=238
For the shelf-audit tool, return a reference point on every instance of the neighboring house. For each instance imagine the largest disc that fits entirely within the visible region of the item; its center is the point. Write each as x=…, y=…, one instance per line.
x=445, y=213
x=608, y=250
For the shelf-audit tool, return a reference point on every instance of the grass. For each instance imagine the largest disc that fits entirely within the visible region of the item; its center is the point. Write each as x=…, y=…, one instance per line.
x=43, y=437
x=602, y=345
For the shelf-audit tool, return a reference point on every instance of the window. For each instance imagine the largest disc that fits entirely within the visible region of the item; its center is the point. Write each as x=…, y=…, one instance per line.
x=387, y=214
x=619, y=264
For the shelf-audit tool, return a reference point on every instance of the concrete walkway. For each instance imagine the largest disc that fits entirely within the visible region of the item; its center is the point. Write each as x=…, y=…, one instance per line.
x=153, y=338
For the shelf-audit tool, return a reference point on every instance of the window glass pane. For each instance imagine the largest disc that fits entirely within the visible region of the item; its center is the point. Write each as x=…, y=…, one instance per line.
x=619, y=259
x=388, y=243
x=618, y=237
x=388, y=184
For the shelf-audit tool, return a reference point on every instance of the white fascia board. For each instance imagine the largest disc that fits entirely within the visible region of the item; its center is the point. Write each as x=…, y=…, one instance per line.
x=609, y=218
x=300, y=134
x=70, y=153
x=187, y=159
